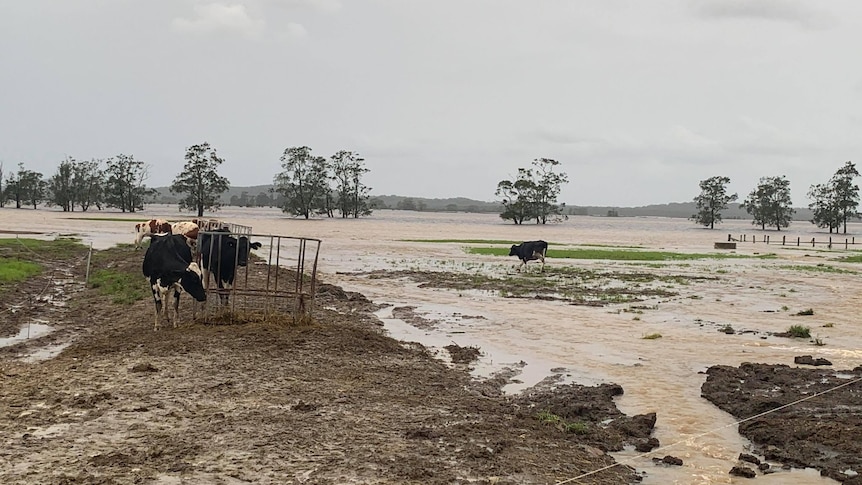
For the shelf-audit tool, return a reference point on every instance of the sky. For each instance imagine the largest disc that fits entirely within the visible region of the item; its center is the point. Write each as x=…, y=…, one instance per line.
x=638, y=100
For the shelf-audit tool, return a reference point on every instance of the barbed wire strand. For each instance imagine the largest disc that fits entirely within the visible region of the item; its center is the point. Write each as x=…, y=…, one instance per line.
x=736, y=423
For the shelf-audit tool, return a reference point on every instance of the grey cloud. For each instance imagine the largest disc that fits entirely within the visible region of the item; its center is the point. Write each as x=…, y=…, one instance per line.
x=775, y=10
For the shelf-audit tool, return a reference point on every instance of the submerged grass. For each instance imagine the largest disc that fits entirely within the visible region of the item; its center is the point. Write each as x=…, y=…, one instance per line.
x=819, y=268
x=26, y=248
x=622, y=255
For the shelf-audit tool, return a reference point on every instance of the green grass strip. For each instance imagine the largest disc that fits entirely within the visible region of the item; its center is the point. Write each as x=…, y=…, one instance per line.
x=820, y=268
x=13, y=270
x=618, y=255
x=121, y=288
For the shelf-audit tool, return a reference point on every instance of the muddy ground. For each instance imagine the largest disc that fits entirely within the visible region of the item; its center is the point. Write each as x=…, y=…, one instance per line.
x=822, y=431
x=333, y=401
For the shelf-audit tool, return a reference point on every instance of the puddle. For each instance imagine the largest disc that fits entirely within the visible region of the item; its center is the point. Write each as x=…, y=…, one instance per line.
x=46, y=353
x=490, y=362
x=32, y=330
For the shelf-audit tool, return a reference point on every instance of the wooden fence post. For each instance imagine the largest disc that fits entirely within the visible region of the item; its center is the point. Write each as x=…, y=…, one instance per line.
x=783, y=240
x=797, y=240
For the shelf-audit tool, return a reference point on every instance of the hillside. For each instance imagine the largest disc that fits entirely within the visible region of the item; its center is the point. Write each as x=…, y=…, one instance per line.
x=260, y=195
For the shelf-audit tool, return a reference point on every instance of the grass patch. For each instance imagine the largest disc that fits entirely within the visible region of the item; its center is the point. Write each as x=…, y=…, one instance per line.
x=819, y=268
x=620, y=255
x=806, y=312
x=13, y=270
x=117, y=285
x=652, y=336
x=799, y=331
x=856, y=258
x=549, y=418
x=25, y=248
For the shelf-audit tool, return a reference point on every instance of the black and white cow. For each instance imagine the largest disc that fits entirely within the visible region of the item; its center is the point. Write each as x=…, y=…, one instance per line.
x=169, y=266
x=530, y=251
x=221, y=254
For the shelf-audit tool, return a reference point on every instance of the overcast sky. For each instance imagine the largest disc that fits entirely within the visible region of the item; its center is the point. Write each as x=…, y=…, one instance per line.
x=639, y=100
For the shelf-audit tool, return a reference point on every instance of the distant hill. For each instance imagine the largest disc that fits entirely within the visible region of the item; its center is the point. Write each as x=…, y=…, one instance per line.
x=260, y=195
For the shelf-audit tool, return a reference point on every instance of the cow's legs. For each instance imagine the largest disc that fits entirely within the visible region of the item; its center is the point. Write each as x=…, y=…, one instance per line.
x=176, y=306
x=158, y=301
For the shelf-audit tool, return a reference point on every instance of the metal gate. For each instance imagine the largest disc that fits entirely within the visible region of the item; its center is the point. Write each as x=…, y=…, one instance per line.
x=277, y=283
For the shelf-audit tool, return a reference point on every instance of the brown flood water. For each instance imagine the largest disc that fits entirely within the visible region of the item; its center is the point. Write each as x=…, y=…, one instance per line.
x=590, y=344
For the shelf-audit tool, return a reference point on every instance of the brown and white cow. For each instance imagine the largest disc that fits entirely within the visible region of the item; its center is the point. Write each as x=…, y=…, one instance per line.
x=188, y=229
x=150, y=227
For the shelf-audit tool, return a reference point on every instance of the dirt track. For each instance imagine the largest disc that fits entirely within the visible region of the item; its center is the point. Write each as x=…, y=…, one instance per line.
x=332, y=402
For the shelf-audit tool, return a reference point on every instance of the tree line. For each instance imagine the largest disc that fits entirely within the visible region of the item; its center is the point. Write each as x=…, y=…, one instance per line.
x=307, y=185
x=833, y=202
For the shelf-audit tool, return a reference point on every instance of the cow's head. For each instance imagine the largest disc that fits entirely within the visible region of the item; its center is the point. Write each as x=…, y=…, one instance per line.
x=244, y=248
x=192, y=282
x=514, y=250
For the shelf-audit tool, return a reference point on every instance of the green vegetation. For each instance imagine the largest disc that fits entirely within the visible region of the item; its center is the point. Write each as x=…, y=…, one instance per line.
x=820, y=268
x=652, y=336
x=620, y=255
x=118, y=285
x=828, y=325
x=799, y=331
x=856, y=258
x=465, y=241
x=806, y=312
x=552, y=419
x=27, y=249
x=13, y=270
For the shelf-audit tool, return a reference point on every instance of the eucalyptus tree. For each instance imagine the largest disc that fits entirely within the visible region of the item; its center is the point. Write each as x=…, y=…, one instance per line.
x=712, y=200
x=533, y=194
x=769, y=203
x=76, y=183
x=199, y=183
x=125, y=186
x=351, y=194
x=303, y=182
x=25, y=187
x=845, y=192
x=824, y=208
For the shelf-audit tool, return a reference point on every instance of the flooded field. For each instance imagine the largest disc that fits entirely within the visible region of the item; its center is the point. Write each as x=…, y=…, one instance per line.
x=587, y=344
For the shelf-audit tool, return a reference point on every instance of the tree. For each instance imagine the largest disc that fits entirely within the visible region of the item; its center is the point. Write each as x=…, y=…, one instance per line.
x=770, y=203
x=124, y=183
x=533, y=194
x=351, y=195
x=303, y=182
x=76, y=183
x=26, y=187
x=824, y=208
x=199, y=183
x=845, y=192
x=712, y=200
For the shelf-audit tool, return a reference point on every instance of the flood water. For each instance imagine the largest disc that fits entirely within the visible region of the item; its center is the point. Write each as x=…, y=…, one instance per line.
x=587, y=344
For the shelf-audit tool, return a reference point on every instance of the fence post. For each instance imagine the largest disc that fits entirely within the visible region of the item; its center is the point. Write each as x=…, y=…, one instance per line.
x=845, y=244
x=797, y=240
x=812, y=242
x=830, y=242
x=783, y=240
x=89, y=257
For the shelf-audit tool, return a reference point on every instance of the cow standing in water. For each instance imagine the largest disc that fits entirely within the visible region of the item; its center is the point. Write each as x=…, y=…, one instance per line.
x=169, y=267
x=221, y=254
x=530, y=251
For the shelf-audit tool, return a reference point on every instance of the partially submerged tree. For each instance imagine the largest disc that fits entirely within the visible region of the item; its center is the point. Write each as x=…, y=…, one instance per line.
x=76, y=184
x=351, y=195
x=25, y=187
x=124, y=183
x=303, y=181
x=533, y=194
x=770, y=203
x=712, y=200
x=824, y=208
x=845, y=192
x=199, y=183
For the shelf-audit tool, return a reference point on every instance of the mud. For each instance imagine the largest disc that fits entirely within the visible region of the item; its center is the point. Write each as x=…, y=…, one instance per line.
x=820, y=431
x=332, y=401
